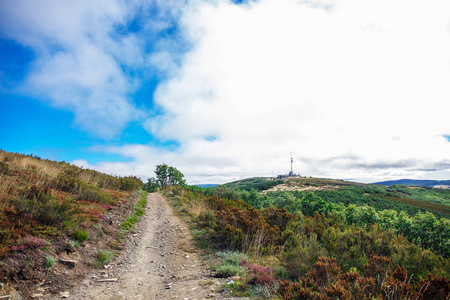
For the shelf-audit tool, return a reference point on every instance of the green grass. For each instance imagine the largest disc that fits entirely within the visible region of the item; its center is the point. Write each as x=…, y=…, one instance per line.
x=433, y=207
x=230, y=264
x=139, y=210
x=254, y=183
x=104, y=257
x=49, y=261
x=81, y=235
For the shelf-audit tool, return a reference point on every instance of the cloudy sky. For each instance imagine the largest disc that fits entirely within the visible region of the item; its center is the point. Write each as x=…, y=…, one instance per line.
x=355, y=89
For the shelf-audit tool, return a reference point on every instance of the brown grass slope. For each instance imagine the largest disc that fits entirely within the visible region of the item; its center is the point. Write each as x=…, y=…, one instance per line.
x=52, y=211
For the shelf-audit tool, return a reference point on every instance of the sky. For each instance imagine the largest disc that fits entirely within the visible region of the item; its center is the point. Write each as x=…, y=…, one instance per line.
x=355, y=89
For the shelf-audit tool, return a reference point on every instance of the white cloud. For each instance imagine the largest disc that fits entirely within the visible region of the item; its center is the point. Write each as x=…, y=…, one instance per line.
x=364, y=82
x=85, y=59
x=355, y=89
x=79, y=62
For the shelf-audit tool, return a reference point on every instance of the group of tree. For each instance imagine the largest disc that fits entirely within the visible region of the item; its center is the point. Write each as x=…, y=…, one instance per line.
x=165, y=176
x=419, y=227
x=324, y=250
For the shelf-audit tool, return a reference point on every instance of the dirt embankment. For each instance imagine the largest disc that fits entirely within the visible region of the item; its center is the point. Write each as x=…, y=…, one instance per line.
x=160, y=263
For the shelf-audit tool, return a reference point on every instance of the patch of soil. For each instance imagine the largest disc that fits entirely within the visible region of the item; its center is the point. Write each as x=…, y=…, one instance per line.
x=288, y=187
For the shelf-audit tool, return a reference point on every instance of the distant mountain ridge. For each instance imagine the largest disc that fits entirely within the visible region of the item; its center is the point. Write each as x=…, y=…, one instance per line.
x=206, y=185
x=424, y=183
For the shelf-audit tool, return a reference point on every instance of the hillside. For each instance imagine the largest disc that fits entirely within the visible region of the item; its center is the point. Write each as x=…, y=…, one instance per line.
x=312, y=238
x=340, y=241
x=411, y=199
x=57, y=221
x=259, y=183
x=415, y=182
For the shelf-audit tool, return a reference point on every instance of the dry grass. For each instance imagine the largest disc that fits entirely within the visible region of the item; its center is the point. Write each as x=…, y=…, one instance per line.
x=35, y=200
x=195, y=208
x=26, y=163
x=252, y=244
x=39, y=166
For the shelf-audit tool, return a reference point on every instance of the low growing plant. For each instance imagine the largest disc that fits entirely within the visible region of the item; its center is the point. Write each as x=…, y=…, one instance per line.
x=139, y=211
x=104, y=257
x=29, y=242
x=81, y=235
x=49, y=261
x=230, y=264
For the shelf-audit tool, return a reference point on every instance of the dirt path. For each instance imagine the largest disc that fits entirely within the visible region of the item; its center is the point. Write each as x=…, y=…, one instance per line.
x=160, y=263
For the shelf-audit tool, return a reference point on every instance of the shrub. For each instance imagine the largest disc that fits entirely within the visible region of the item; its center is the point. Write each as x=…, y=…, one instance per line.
x=4, y=169
x=130, y=183
x=29, y=242
x=43, y=207
x=93, y=194
x=207, y=219
x=66, y=183
x=104, y=257
x=258, y=275
x=49, y=261
x=230, y=264
x=251, y=230
x=81, y=235
x=71, y=246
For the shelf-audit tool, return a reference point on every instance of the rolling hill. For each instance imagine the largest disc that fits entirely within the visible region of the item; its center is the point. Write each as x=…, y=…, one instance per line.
x=424, y=183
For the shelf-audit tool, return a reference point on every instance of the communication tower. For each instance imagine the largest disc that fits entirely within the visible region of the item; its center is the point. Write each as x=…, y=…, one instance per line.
x=291, y=173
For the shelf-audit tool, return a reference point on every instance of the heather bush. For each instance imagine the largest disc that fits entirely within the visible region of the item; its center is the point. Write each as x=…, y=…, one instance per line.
x=251, y=230
x=258, y=275
x=93, y=194
x=29, y=242
x=66, y=183
x=43, y=207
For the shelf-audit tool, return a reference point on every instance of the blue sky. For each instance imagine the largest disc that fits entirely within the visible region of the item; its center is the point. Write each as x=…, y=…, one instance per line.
x=222, y=90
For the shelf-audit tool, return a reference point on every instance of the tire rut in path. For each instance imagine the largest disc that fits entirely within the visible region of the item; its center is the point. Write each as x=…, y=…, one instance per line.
x=160, y=263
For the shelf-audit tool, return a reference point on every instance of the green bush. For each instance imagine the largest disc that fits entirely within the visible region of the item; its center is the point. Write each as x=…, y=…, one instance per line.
x=230, y=264
x=104, y=257
x=43, y=207
x=130, y=183
x=49, y=261
x=93, y=194
x=66, y=183
x=81, y=235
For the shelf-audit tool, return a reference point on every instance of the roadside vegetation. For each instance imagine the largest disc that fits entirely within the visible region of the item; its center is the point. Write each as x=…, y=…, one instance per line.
x=49, y=209
x=352, y=242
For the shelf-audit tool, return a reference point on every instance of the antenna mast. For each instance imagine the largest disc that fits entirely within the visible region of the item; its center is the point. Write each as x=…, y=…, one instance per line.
x=292, y=170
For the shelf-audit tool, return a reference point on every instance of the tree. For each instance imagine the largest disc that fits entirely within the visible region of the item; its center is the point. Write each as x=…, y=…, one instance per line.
x=162, y=175
x=312, y=204
x=175, y=176
x=168, y=175
x=151, y=185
